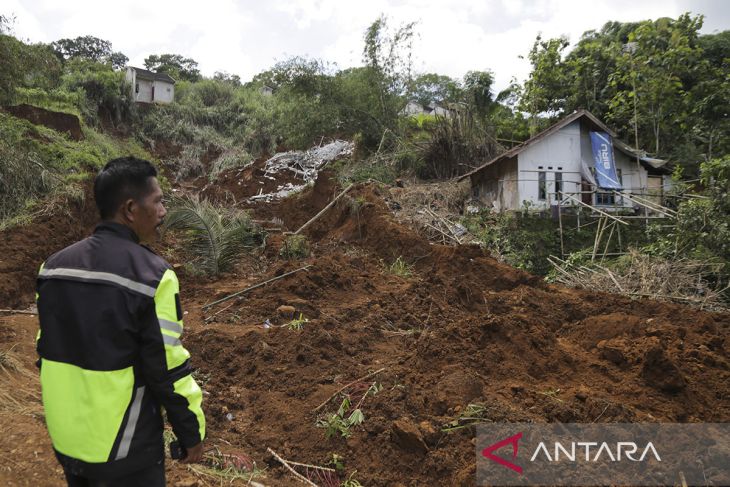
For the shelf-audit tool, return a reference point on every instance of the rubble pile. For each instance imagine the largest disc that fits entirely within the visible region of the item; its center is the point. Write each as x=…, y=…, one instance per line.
x=304, y=164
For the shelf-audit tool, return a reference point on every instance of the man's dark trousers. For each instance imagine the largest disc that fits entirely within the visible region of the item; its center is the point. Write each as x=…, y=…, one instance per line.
x=153, y=476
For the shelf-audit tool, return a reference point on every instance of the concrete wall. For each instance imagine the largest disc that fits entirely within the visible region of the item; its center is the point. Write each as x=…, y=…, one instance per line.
x=496, y=185
x=556, y=153
x=143, y=91
x=164, y=92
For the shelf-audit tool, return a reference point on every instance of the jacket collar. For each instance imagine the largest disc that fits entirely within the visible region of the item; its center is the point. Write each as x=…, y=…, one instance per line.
x=117, y=229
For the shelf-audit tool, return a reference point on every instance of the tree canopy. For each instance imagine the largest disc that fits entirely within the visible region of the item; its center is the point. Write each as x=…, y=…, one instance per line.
x=90, y=48
x=177, y=66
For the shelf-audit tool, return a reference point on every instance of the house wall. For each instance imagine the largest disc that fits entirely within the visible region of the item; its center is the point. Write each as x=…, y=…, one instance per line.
x=413, y=108
x=164, y=92
x=496, y=185
x=558, y=152
x=142, y=89
x=564, y=152
x=144, y=93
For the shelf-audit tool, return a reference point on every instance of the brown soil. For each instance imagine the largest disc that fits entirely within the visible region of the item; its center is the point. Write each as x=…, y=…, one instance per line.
x=462, y=328
x=23, y=250
x=59, y=121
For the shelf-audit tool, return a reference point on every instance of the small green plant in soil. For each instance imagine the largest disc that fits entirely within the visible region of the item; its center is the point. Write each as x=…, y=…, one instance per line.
x=297, y=323
x=401, y=268
x=351, y=481
x=346, y=417
x=473, y=414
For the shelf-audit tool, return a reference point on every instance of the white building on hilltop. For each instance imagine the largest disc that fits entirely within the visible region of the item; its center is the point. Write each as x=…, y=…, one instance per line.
x=150, y=87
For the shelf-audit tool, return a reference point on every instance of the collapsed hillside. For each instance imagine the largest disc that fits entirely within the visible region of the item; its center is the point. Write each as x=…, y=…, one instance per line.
x=460, y=338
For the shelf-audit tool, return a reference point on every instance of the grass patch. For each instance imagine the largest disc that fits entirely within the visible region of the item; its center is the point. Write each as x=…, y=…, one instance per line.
x=401, y=268
x=37, y=162
x=295, y=247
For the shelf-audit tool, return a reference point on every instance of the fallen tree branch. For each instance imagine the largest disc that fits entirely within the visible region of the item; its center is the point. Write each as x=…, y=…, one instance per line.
x=322, y=212
x=371, y=374
x=231, y=296
x=299, y=476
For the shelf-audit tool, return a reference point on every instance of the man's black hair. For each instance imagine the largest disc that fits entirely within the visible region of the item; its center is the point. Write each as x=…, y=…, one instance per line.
x=120, y=180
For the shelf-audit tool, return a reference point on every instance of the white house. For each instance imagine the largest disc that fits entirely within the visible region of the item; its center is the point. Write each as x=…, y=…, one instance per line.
x=558, y=163
x=150, y=87
x=413, y=108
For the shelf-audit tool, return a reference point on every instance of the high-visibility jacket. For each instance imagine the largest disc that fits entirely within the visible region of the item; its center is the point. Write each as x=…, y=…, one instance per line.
x=111, y=356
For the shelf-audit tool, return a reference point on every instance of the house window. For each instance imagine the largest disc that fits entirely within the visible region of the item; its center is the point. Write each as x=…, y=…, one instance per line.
x=541, y=186
x=136, y=87
x=558, y=185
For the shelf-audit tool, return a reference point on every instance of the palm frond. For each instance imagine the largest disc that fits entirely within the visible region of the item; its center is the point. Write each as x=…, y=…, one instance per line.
x=214, y=236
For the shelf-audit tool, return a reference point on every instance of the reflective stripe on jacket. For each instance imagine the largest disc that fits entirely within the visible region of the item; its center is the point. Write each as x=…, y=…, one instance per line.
x=110, y=355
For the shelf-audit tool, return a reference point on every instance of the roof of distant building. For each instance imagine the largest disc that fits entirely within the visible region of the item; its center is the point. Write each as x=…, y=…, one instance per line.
x=152, y=76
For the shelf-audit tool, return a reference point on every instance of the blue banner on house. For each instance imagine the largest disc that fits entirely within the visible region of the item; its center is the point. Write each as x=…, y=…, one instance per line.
x=603, y=161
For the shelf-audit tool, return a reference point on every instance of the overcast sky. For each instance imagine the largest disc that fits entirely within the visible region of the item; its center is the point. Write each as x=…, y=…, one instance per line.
x=245, y=37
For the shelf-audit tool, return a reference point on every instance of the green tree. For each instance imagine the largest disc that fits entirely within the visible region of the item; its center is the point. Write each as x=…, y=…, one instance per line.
x=89, y=48
x=478, y=91
x=177, y=66
x=432, y=87
x=653, y=76
x=544, y=91
x=388, y=57
x=226, y=77
x=711, y=96
x=105, y=89
x=303, y=75
x=25, y=65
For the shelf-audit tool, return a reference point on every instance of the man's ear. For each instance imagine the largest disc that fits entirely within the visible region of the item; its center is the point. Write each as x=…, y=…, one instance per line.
x=129, y=209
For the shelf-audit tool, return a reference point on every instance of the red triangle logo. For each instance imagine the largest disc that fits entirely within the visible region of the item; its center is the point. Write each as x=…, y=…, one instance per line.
x=488, y=452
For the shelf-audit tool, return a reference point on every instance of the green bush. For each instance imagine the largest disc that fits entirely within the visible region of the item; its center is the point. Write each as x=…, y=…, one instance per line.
x=103, y=88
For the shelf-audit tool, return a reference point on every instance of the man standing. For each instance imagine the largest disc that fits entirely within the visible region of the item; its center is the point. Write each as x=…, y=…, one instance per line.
x=109, y=343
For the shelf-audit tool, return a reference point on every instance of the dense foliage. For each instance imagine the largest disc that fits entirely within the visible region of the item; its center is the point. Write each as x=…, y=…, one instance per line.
x=661, y=84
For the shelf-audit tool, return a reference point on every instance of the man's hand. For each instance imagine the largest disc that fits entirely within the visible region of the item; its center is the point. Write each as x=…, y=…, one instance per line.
x=195, y=454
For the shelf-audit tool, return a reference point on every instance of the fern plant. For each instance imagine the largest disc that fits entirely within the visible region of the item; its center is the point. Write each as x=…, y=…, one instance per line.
x=214, y=236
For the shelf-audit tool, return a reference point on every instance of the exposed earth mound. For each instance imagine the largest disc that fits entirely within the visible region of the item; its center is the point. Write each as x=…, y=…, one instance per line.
x=450, y=336
x=58, y=121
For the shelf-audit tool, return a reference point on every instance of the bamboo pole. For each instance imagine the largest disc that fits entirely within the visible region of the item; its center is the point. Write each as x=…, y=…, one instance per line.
x=231, y=296
x=18, y=312
x=608, y=241
x=560, y=222
x=597, y=210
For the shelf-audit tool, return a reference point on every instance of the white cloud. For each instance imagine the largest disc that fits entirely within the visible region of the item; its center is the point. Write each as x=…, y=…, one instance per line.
x=245, y=37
